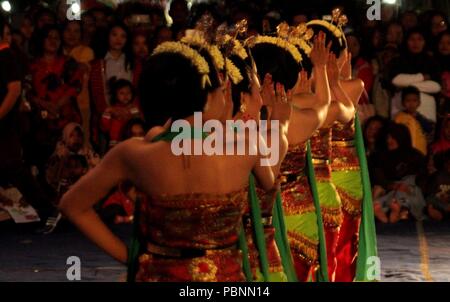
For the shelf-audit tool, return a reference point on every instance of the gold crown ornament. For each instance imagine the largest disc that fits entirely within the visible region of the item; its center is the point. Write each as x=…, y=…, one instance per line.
x=338, y=21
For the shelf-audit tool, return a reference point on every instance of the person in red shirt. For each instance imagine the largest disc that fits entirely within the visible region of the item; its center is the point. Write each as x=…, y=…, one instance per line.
x=123, y=108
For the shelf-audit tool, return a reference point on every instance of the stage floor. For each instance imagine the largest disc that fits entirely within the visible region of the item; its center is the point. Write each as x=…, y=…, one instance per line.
x=407, y=253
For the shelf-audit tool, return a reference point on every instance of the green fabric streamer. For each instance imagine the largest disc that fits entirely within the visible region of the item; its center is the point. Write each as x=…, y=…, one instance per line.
x=258, y=228
x=245, y=256
x=322, y=273
x=367, y=246
x=282, y=240
x=133, y=250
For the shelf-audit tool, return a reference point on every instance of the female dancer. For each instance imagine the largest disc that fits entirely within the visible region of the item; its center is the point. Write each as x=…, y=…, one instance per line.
x=193, y=206
x=342, y=110
x=346, y=175
x=280, y=60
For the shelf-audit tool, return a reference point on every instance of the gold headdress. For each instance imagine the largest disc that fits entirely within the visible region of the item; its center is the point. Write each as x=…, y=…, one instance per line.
x=192, y=55
x=227, y=39
x=236, y=48
x=195, y=37
x=300, y=36
x=200, y=37
x=338, y=21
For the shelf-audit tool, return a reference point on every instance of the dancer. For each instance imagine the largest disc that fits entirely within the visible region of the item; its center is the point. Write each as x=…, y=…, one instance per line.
x=190, y=217
x=341, y=109
x=280, y=59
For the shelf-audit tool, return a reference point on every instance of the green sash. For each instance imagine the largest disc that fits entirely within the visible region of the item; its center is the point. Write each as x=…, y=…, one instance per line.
x=367, y=246
x=322, y=273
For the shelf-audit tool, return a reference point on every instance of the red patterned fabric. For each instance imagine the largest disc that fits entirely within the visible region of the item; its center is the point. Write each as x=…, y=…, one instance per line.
x=203, y=222
x=331, y=238
x=347, y=248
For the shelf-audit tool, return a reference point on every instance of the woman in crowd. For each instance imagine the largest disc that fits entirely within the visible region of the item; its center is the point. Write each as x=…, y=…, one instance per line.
x=397, y=182
x=415, y=67
x=73, y=47
x=117, y=63
x=374, y=129
x=443, y=57
x=56, y=84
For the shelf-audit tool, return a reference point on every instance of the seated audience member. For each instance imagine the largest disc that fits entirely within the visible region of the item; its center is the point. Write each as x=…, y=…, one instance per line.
x=420, y=128
x=396, y=177
x=438, y=197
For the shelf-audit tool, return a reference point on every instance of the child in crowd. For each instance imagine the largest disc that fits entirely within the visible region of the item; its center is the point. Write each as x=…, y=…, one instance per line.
x=119, y=206
x=69, y=162
x=420, y=128
x=134, y=128
x=71, y=143
x=123, y=108
x=438, y=199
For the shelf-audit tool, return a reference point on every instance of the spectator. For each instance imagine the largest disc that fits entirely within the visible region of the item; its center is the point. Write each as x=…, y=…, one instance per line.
x=72, y=143
x=361, y=67
x=88, y=27
x=415, y=67
x=134, y=128
x=12, y=168
x=119, y=207
x=409, y=20
x=443, y=142
x=396, y=174
x=374, y=129
x=162, y=34
x=141, y=51
x=438, y=200
x=73, y=47
x=438, y=23
x=443, y=57
x=381, y=91
x=115, y=63
x=420, y=128
x=56, y=83
x=179, y=13
x=299, y=18
x=27, y=29
x=123, y=108
x=394, y=35
x=44, y=17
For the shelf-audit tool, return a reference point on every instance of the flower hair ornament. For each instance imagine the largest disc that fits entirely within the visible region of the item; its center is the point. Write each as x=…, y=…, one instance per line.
x=195, y=38
x=233, y=72
x=192, y=55
x=338, y=21
x=277, y=41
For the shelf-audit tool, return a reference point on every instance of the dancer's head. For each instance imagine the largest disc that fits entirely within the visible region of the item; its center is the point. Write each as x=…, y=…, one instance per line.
x=176, y=82
x=276, y=57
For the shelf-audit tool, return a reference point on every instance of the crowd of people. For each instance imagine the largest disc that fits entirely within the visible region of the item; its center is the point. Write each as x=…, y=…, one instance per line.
x=72, y=90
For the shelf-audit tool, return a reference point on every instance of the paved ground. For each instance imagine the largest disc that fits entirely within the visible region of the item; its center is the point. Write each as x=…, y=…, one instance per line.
x=406, y=254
